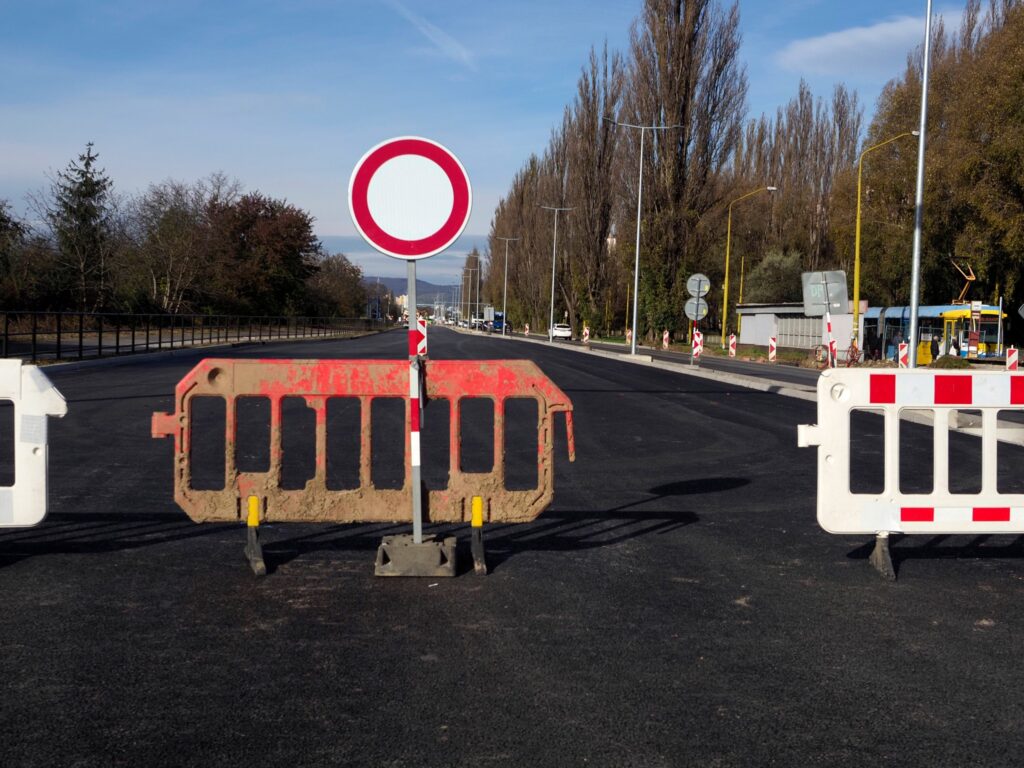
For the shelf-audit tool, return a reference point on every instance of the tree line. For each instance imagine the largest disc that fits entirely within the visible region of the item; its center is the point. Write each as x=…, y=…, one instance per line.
x=682, y=74
x=206, y=246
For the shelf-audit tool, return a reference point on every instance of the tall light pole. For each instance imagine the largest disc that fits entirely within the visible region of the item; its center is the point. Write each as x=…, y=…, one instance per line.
x=856, y=235
x=915, y=271
x=504, y=296
x=639, y=199
x=554, y=251
x=728, y=240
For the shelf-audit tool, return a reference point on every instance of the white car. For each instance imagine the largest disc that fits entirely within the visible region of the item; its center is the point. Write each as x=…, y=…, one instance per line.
x=561, y=331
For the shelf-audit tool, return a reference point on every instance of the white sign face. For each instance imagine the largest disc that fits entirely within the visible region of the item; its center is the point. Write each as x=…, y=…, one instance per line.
x=409, y=197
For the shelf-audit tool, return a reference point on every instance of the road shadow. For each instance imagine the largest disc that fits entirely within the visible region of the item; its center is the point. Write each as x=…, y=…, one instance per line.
x=945, y=547
x=98, y=533
x=553, y=531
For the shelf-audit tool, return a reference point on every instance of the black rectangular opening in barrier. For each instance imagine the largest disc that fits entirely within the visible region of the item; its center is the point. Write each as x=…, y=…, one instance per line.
x=298, y=443
x=435, y=443
x=7, y=474
x=476, y=437
x=252, y=434
x=343, y=442
x=867, y=451
x=521, y=441
x=1010, y=452
x=207, y=420
x=917, y=450
x=965, y=451
x=387, y=450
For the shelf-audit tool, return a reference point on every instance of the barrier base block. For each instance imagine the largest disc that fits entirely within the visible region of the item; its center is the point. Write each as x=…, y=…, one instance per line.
x=401, y=556
x=881, y=558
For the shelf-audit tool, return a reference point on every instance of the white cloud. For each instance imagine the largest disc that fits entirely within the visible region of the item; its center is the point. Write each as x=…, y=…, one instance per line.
x=444, y=43
x=880, y=47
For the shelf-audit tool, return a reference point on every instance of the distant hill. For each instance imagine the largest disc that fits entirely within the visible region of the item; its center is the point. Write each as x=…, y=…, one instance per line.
x=426, y=293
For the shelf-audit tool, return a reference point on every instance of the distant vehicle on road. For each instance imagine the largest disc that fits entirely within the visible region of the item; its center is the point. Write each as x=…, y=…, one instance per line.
x=561, y=331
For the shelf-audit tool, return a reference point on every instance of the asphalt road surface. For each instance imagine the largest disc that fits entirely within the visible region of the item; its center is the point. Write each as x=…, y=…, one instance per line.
x=677, y=605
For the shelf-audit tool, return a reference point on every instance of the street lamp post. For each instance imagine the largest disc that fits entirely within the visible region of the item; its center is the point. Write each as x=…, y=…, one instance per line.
x=504, y=295
x=728, y=241
x=856, y=235
x=554, y=251
x=639, y=198
x=915, y=269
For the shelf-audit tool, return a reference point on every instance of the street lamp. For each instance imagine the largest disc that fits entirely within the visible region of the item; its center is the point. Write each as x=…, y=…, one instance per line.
x=856, y=236
x=639, y=198
x=504, y=297
x=554, y=245
x=728, y=240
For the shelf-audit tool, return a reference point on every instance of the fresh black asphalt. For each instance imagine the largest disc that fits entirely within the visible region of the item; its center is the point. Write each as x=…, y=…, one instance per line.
x=678, y=605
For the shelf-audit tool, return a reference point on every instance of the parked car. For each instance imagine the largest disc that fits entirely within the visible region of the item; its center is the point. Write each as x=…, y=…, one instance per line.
x=561, y=331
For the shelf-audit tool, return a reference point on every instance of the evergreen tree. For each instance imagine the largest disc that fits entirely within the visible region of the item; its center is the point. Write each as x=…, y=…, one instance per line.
x=78, y=213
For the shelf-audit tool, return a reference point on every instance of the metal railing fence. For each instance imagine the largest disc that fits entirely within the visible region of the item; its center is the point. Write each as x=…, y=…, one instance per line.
x=50, y=336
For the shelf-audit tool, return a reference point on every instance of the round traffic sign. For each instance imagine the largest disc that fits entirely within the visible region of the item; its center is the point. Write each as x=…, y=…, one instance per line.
x=409, y=197
x=698, y=285
x=696, y=309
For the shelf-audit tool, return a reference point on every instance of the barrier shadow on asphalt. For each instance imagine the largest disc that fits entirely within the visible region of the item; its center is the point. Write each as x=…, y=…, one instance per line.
x=945, y=547
x=554, y=531
x=98, y=533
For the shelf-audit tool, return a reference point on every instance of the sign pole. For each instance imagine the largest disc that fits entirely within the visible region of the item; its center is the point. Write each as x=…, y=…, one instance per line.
x=415, y=408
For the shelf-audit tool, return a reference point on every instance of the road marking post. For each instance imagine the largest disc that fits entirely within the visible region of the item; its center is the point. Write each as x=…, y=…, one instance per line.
x=1011, y=358
x=732, y=345
x=904, y=355
x=664, y=339
x=773, y=348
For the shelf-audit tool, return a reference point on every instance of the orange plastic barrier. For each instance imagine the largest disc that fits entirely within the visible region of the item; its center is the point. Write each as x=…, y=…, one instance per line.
x=316, y=381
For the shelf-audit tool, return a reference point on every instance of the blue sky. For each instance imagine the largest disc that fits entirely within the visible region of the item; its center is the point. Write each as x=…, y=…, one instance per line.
x=287, y=95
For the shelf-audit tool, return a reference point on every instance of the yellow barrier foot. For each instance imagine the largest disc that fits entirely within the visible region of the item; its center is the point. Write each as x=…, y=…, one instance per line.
x=402, y=556
x=477, y=540
x=253, y=548
x=881, y=558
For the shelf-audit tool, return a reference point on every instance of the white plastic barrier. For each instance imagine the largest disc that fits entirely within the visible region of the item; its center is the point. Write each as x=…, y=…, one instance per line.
x=934, y=398
x=34, y=399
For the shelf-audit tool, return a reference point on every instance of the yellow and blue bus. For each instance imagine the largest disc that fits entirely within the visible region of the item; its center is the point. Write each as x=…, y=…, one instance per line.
x=883, y=328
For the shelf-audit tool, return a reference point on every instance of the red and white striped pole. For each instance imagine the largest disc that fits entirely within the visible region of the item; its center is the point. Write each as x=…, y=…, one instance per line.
x=772, y=348
x=415, y=406
x=732, y=345
x=1011, y=358
x=664, y=339
x=904, y=354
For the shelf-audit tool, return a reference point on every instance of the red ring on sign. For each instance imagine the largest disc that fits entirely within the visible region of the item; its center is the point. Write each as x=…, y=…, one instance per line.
x=396, y=246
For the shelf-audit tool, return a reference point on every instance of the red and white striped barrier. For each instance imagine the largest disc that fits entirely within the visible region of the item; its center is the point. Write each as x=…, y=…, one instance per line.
x=526, y=330
x=1011, y=358
x=773, y=348
x=697, y=344
x=664, y=339
x=629, y=336
x=732, y=345
x=833, y=353
x=586, y=334
x=934, y=399
x=904, y=355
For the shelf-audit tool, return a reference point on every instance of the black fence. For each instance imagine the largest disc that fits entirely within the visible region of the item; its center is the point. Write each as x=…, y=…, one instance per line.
x=77, y=335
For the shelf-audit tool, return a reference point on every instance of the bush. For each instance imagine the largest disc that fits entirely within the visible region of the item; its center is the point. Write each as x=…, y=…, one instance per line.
x=948, y=361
